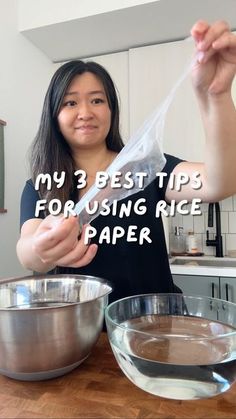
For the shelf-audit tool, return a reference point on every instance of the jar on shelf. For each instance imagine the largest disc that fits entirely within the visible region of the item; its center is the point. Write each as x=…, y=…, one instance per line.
x=178, y=246
x=192, y=246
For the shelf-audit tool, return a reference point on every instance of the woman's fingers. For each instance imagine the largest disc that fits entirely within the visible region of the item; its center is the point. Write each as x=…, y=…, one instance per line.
x=88, y=256
x=61, y=249
x=199, y=29
x=58, y=243
x=209, y=39
x=216, y=47
x=204, y=56
x=80, y=256
x=51, y=243
x=225, y=44
x=211, y=34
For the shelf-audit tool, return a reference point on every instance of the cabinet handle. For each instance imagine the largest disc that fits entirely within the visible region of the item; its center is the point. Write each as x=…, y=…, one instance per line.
x=227, y=291
x=212, y=289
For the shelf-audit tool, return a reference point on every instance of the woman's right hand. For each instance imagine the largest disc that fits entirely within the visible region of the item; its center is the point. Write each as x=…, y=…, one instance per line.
x=54, y=241
x=58, y=241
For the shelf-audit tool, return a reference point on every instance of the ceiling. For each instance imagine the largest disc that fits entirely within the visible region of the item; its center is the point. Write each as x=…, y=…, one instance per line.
x=120, y=30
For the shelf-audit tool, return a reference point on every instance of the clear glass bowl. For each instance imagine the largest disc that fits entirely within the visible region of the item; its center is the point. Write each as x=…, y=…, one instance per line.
x=173, y=345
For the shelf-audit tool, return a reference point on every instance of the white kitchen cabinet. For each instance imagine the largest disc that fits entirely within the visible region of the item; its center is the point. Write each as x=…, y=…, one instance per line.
x=153, y=70
x=211, y=286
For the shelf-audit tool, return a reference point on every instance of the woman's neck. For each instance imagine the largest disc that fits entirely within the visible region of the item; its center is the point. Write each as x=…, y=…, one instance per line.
x=92, y=162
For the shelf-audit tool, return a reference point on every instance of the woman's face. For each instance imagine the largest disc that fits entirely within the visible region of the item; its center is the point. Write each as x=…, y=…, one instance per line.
x=85, y=117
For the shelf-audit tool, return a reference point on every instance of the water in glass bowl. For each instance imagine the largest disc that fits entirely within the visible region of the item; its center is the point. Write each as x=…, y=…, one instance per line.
x=178, y=357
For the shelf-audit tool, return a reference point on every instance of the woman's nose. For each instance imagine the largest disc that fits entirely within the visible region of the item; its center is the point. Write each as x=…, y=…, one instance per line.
x=84, y=111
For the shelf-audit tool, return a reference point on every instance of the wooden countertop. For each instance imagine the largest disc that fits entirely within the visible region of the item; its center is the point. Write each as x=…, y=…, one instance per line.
x=99, y=389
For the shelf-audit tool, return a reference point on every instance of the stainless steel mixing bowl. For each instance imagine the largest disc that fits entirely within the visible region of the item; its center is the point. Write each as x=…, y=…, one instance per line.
x=49, y=324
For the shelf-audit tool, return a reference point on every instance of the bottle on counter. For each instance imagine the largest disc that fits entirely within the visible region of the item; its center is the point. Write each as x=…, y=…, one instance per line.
x=178, y=246
x=192, y=246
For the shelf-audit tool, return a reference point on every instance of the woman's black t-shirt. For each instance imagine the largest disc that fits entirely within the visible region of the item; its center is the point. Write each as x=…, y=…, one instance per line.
x=131, y=268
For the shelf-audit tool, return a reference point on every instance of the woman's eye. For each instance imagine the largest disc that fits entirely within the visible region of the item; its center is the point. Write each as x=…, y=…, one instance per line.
x=97, y=100
x=69, y=103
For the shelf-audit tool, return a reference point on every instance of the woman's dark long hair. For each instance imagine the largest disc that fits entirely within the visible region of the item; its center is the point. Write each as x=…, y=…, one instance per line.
x=50, y=152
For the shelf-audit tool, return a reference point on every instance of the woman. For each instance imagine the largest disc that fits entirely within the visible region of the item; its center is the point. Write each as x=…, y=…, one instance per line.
x=79, y=130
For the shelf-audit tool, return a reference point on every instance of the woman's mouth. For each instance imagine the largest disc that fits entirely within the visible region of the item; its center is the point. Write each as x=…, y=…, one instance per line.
x=86, y=128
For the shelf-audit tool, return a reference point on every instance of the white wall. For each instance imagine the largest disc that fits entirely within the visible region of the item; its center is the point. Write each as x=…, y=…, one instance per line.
x=24, y=76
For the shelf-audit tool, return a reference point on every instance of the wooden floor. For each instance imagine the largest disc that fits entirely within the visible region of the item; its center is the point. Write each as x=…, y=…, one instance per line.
x=98, y=389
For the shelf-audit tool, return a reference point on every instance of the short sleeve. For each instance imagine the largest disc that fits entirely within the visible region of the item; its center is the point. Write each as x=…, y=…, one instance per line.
x=171, y=163
x=29, y=198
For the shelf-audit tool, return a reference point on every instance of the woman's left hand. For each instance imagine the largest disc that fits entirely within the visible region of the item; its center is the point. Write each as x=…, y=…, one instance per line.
x=216, y=51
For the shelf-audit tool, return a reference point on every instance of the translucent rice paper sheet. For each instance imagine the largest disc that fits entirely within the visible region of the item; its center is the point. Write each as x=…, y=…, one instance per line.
x=142, y=153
